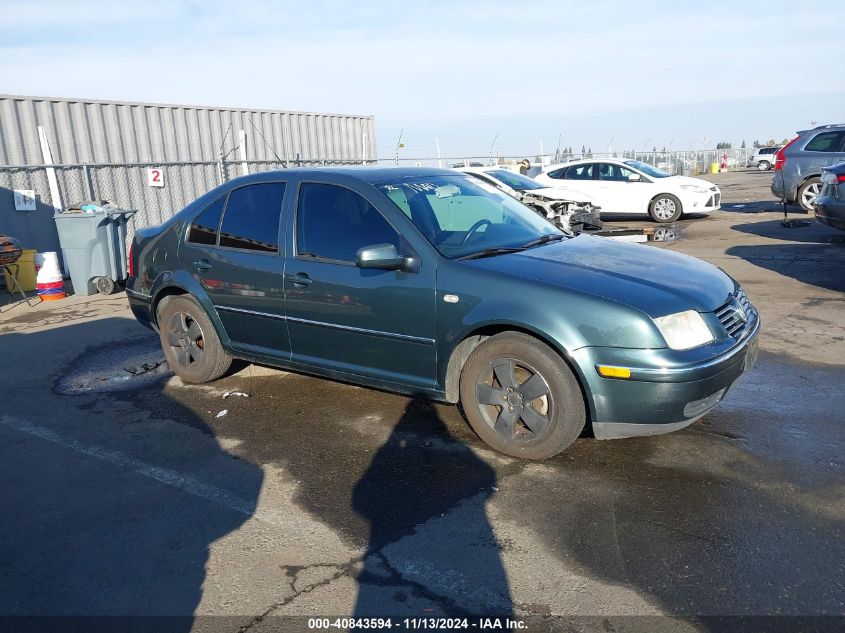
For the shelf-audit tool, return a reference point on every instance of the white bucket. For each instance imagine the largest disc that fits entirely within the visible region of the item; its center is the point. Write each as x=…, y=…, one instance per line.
x=48, y=281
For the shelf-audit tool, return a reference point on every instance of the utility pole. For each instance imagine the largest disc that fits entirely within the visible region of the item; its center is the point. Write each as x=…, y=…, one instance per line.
x=491, y=148
x=398, y=145
x=439, y=157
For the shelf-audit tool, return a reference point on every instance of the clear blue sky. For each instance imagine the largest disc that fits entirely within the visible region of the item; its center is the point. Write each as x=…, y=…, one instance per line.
x=643, y=74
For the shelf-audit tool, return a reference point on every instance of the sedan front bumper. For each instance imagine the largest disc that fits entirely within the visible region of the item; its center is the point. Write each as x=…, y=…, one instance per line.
x=661, y=400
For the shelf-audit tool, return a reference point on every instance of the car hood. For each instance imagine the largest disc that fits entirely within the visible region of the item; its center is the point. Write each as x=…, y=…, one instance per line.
x=560, y=193
x=653, y=280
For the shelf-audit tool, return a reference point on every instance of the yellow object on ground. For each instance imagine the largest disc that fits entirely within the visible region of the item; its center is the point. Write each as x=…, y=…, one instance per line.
x=26, y=271
x=714, y=168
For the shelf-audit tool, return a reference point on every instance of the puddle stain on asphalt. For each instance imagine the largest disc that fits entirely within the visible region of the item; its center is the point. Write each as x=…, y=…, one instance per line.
x=131, y=364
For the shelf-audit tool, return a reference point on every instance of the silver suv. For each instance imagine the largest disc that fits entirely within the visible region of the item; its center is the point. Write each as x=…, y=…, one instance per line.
x=763, y=158
x=799, y=163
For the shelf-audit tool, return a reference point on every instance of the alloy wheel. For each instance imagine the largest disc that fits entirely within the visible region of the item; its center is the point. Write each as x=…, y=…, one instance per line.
x=810, y=194
x=185, y=338
x=515, y=400
x=664, y=208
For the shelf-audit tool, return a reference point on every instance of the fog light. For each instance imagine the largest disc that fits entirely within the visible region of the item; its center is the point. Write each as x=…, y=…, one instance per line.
x=699, y=407
x=608, y=371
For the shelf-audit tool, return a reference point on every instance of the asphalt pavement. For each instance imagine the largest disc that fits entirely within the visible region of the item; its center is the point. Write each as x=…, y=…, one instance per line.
x=267, y=497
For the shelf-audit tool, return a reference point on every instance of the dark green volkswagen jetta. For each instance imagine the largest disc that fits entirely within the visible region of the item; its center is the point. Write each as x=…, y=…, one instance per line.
x=429, y=282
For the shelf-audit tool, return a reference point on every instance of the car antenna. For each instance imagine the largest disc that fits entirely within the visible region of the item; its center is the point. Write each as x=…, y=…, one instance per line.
x=267, y=143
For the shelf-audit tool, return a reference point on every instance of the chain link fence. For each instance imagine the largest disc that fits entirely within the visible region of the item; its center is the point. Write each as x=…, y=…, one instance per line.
x=679, y=162
x=125, y=185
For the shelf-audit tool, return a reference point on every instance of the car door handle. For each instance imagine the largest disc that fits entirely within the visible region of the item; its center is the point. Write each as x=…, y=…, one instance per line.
x=300, y=280
x=202, y=264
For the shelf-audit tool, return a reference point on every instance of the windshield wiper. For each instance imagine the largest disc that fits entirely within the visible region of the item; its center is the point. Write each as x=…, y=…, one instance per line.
x=501, y=250
x=545, y=239
x=490, y=252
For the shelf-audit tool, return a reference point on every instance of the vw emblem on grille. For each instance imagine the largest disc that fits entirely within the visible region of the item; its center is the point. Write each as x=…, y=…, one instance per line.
x=740, y=311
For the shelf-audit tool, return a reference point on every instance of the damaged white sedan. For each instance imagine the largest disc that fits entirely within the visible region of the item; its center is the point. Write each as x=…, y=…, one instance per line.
x=571, y=210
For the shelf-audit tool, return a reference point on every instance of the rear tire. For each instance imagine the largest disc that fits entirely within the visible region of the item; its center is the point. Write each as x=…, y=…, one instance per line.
x=808, y=192
x=764, y=165
x=190, y=342
x=520, y=397
x=105, y=285
x=665, y=208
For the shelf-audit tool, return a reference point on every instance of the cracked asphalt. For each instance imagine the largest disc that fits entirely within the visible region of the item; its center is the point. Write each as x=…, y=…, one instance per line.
x=126, y=492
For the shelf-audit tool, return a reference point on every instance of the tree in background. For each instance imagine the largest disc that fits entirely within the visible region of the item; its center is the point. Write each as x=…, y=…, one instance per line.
x=743, y=144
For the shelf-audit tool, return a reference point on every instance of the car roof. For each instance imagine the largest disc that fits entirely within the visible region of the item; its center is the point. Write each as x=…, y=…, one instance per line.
x=582, y=161
x=831, y=126
x=370, y=174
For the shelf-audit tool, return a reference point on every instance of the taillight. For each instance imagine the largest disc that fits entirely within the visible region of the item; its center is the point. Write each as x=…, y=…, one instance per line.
x=840, y=178
x=131, y=261
x=780, y=158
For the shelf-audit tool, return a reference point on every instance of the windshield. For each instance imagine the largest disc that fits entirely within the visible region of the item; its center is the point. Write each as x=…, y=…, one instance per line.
x=462, y=216
x=514, y=180
x=647, y=169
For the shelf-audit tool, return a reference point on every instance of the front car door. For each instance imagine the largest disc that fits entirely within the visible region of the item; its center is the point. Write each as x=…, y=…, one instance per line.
x=341, y=318
x=233, y=248
x=620, y=194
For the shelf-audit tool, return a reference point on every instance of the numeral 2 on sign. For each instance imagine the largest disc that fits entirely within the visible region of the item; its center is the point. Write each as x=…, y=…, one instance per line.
x=155, y=177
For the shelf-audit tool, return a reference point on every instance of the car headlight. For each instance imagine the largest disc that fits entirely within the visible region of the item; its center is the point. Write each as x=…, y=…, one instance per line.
x=684, y=330
x=694, y=188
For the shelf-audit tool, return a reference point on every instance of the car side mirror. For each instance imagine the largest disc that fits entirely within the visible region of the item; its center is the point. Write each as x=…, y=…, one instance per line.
x=381, y=257
x=634, y=178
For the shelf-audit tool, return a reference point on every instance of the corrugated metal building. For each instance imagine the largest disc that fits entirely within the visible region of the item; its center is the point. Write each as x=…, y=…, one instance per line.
x=198, y=146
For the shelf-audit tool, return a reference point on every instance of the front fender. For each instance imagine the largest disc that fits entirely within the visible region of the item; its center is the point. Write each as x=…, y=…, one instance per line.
x=183, y=282
x=565, y=319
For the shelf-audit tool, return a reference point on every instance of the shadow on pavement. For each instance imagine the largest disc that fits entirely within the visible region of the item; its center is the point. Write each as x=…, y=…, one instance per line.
x=817, y=260
x=106, y=514
x=455, y=563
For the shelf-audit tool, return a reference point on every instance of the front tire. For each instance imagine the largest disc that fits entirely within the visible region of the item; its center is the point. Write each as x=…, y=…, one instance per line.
x=808, y=192
x=520, y=397
x=764, y=165
x=665, y=208
x=190, y=342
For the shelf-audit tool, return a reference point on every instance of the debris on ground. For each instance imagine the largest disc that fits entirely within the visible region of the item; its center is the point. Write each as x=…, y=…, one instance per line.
x=235, y=393
x=222, y=413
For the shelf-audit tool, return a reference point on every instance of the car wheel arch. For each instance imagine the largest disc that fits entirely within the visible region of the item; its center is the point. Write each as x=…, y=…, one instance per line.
x=473, y=339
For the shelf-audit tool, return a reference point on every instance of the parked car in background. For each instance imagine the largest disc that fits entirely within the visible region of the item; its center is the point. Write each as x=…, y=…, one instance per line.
x=763, y=158
x=427, y=282
x=570, y=210
x=829, y=205
x=799, y=163
x=633, y=187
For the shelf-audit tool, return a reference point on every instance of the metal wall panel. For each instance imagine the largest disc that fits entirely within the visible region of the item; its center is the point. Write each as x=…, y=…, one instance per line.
x=102, y=143
x=90, y=131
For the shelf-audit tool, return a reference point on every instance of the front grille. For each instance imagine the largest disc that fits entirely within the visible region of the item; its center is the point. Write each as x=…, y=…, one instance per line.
x=713, y=201
x=731, y=314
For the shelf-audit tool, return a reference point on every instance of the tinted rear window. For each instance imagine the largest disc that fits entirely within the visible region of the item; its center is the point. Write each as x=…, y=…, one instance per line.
x=825, y=142
x=252, y=214
x=204, y=226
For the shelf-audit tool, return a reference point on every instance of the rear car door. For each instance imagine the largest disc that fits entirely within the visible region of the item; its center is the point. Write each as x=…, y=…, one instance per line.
x=233, y=248
x=825, y=149
x=375, y=323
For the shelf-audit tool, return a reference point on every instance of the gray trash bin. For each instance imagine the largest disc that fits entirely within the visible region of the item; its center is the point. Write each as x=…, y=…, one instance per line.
x=93, y=240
